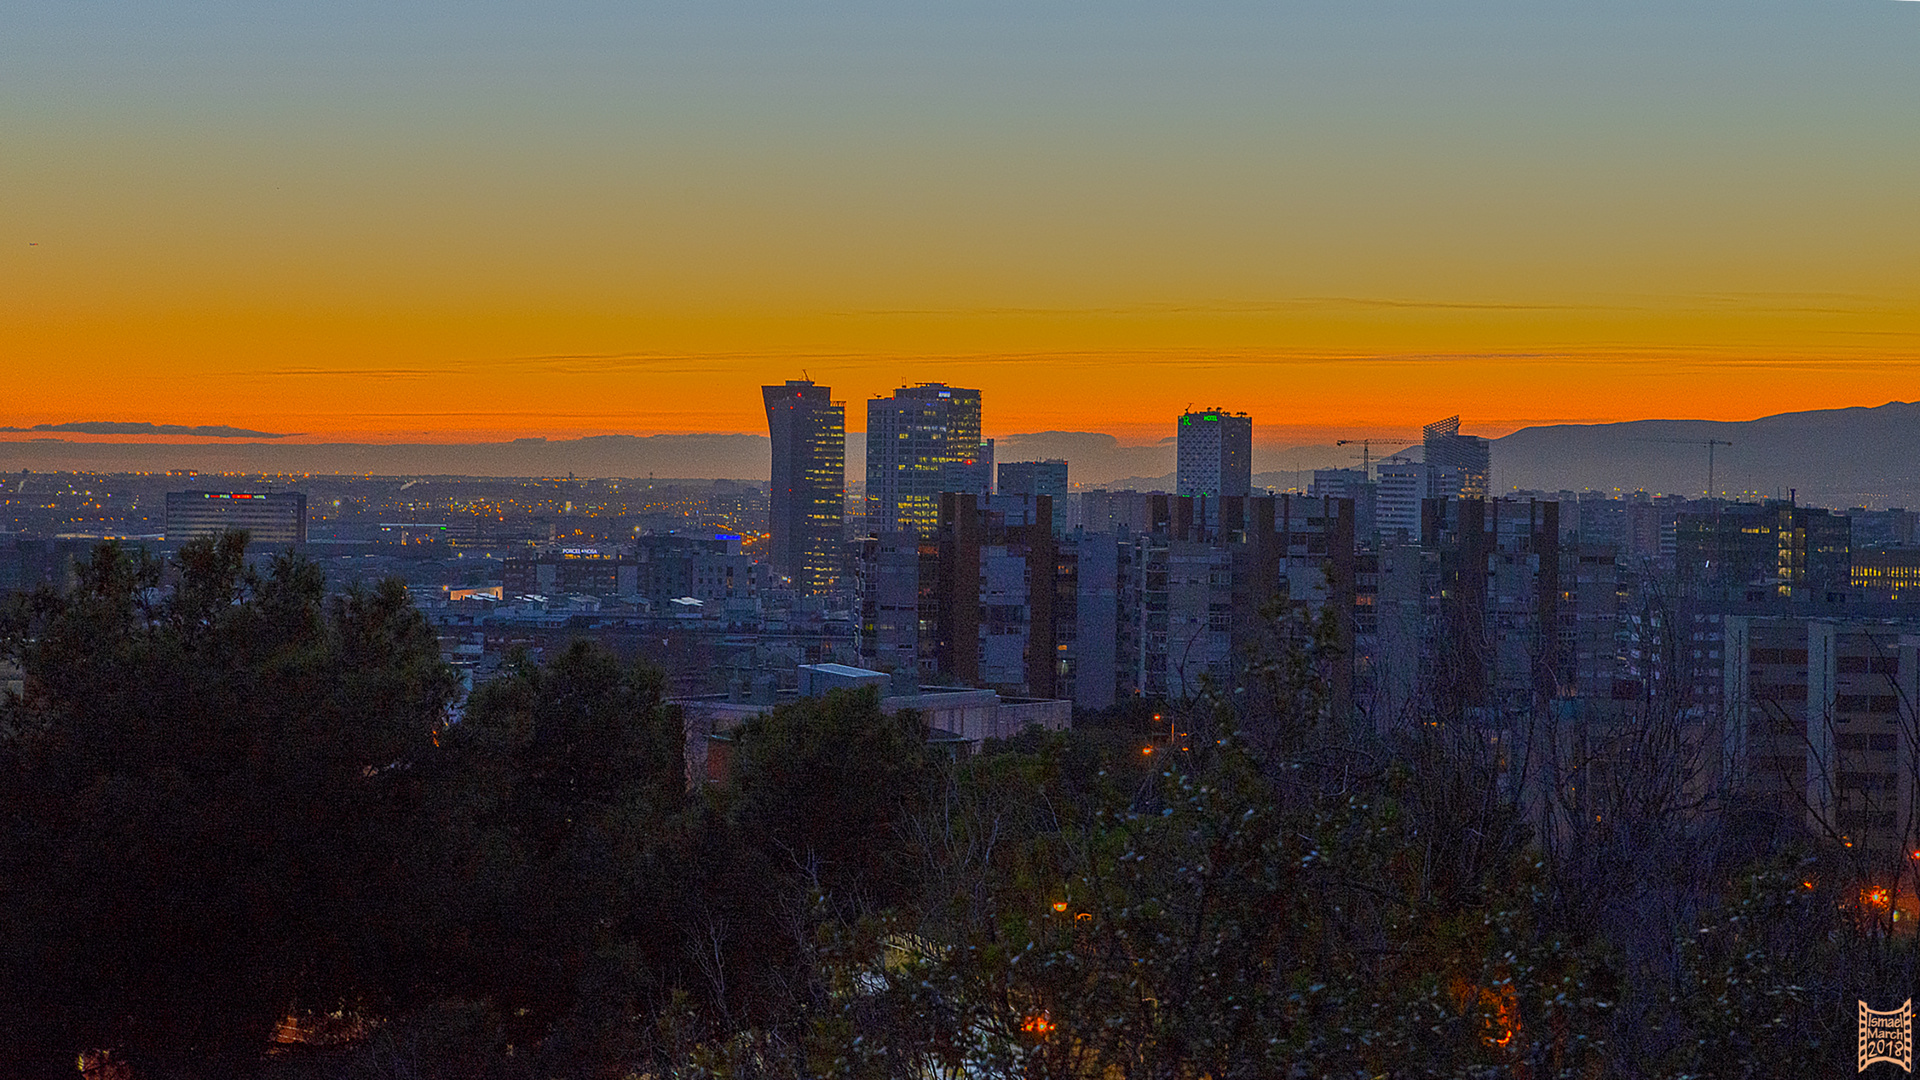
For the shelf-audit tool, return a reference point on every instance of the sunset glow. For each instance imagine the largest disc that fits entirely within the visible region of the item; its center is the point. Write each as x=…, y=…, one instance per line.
x=442, y=224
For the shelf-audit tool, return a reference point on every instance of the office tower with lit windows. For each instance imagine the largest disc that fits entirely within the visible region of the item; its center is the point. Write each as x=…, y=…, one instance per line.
x=1470, y=456
x=1214, y=456
x=921, y=441
x=808, y=494
x=1757, y=551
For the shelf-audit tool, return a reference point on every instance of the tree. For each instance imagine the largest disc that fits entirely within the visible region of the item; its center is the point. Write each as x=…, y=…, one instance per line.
x=1226, y=910
x=805, y=846
x=575, y=779
x=822, y=786
x=205, y=793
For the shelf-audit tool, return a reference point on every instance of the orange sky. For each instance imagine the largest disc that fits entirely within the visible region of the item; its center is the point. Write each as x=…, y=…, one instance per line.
x=1307, y=371
x=1343, y=227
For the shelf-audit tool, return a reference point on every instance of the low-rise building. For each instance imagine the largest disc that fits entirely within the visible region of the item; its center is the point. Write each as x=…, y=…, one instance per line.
x=270, y=517
x=960, y=719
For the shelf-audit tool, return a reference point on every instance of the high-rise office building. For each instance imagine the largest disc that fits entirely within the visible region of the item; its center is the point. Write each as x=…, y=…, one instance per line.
x=921, y=441
x=808, y=495
x=276, y=517
x=1447, y=449
x=1214, y=455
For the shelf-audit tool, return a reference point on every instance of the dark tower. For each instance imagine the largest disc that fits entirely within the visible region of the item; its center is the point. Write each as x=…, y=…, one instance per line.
x=808, y=496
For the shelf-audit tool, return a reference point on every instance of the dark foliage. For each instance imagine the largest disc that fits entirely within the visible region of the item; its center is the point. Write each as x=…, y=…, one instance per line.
x=231, y=800
x=206, y=800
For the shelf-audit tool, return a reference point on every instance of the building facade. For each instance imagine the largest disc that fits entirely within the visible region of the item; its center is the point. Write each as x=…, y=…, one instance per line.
x=921, y=441
x=569, y=572
x=897, y=603
x=1891, y=574
x=276, y=517
x=996, y=599
x=1819, y=726
x=1214, y=456
x=1463, y=463
x=807, y=496
x=711, y=569
x=659, y=568
x=1399, y=488
x=1469, y=623
x=1047, y=478
x=1757, y=551
x=1352, y=484
x=1002, y=595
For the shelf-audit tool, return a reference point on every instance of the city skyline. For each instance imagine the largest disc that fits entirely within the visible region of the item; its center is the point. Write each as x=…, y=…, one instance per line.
x=991, y=538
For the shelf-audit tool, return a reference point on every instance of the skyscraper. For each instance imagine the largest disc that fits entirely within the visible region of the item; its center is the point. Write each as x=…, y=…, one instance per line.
x=808, y=496
x=921, y=441
x=1214, y=455
x=1447, y=449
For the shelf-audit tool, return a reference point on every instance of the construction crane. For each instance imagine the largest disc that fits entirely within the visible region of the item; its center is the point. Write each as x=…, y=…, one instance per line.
x=1708, y=443
x=1366, y=450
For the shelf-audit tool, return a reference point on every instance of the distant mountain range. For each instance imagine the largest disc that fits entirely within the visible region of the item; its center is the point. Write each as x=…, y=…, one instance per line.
x=1832, y=457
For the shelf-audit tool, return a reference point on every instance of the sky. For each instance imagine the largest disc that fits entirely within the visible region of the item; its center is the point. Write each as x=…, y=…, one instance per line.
x=404, y=221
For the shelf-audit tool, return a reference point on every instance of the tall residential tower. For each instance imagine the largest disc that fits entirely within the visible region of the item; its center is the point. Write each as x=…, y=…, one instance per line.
x=808, y=496
x=1215, y=455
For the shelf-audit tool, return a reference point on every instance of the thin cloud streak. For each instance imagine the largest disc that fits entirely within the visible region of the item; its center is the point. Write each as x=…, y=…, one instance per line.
x=123, y=427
